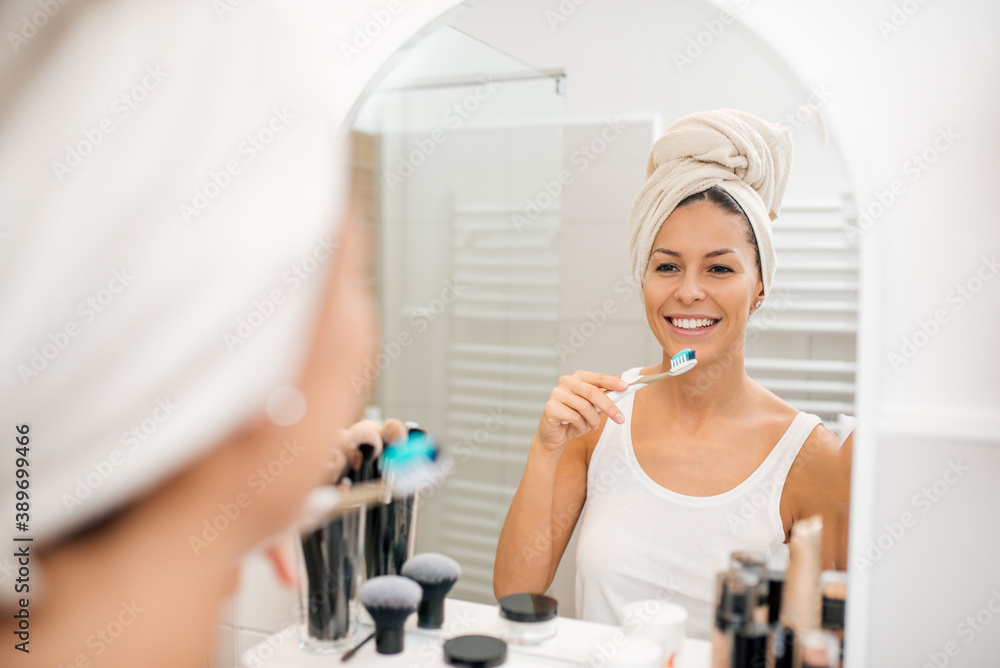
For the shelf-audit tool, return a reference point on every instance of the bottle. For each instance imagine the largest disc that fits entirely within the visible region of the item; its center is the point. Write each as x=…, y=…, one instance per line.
x=800, y=601
x=733, y=591
x=750, y=637
x=833, y=588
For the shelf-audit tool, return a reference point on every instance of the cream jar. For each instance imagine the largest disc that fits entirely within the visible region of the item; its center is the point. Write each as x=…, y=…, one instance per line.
x=528, y=619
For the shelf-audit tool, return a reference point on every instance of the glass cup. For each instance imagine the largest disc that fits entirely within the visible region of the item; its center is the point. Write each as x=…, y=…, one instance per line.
x=331, y=571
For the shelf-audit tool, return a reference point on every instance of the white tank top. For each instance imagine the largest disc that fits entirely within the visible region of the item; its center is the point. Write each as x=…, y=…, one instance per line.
x=639, y=540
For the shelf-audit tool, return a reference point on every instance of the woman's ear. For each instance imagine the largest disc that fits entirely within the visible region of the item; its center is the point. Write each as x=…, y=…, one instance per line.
x=759, y=299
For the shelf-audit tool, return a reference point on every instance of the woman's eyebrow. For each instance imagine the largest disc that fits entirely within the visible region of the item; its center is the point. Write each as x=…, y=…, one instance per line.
x=715, y=253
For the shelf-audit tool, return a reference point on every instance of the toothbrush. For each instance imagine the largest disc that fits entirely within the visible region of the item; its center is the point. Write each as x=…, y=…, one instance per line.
x=679, y=363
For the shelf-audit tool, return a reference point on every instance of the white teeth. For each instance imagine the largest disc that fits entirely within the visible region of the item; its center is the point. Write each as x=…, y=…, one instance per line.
x=692, y=323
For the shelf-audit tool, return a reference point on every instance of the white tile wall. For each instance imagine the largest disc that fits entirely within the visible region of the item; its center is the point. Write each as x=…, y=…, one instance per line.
x=261, y=606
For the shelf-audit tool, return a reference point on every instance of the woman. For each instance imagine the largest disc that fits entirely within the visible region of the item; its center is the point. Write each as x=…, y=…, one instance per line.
x=699, y=465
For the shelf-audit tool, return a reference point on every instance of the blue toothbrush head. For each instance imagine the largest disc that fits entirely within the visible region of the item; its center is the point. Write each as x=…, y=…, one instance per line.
x=682, y=361
x=410, y=465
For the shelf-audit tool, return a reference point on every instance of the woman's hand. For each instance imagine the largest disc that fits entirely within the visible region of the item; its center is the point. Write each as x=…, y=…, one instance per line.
x=571, y=410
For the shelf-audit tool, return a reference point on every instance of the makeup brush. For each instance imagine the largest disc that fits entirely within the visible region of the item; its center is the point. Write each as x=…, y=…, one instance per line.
x=390, y=599
x=364, y=445
x=393, y=431
x=436, y=574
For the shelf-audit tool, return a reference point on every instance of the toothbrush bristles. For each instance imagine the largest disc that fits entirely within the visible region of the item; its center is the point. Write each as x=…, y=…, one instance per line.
x=682, y=362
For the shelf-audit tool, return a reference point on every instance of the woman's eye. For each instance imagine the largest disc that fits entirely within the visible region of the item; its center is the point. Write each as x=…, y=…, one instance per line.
x=666, y=267
x=719, y=269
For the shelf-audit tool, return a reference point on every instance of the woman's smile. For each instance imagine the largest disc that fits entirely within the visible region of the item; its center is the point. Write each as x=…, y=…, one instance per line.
x=692, y=324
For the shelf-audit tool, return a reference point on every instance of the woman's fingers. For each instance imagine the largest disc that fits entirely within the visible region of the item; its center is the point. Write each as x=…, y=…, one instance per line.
x=576, y=401
x=566, y=423
x=582, y=405
x=592, y=387
x=602, y=380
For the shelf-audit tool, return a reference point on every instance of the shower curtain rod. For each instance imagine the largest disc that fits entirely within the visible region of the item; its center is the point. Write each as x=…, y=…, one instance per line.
x=558, y=75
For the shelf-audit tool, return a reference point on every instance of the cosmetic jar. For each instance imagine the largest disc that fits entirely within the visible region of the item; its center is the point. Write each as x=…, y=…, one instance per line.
x=475, y=652
x=528, y=619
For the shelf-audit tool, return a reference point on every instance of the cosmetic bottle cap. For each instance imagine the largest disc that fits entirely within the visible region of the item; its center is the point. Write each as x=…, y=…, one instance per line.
x=749, y=560
x=528, y=607
x=734, y=598
x=475, y=651
x=820, y=649
x=833, y=586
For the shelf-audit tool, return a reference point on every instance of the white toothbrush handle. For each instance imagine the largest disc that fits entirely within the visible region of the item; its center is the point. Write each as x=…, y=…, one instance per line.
x=616, y=397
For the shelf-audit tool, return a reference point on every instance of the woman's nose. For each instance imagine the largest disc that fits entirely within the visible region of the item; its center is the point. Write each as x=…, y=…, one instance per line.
x=690, y=289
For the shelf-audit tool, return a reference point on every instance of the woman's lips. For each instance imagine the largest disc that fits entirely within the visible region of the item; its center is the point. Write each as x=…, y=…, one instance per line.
x=698, y=331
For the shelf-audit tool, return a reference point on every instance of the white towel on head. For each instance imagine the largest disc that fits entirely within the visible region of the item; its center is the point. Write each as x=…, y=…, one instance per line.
x=744, y=155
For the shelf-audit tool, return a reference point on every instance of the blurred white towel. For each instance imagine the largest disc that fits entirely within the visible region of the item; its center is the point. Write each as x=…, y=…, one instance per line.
x=121, y=307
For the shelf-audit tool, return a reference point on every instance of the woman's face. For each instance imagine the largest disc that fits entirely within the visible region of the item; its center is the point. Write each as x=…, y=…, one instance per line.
x=702, y=281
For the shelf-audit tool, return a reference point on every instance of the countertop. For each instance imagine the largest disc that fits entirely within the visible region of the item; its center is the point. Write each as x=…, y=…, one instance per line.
x=576, y=643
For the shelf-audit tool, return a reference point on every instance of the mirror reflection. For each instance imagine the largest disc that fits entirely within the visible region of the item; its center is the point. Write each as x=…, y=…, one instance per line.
x=499, y=160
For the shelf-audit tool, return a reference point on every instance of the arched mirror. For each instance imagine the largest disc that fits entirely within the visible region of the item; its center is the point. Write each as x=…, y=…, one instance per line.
x=501, y=152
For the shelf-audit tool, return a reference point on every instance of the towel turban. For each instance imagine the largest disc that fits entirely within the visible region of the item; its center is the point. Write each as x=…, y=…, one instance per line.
x=740, y=153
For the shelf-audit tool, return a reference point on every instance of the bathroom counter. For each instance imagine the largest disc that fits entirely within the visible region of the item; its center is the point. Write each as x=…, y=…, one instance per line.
x=577, y=643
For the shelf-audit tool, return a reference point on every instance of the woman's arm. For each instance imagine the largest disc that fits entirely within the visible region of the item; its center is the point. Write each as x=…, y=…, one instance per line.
x=819, y=483
x=553, y=488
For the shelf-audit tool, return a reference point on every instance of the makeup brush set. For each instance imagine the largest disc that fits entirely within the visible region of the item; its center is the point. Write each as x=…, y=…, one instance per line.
x=368, y=532
x=360, y=550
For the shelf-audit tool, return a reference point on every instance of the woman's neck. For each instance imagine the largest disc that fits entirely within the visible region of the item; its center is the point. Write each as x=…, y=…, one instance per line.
x=714, y=387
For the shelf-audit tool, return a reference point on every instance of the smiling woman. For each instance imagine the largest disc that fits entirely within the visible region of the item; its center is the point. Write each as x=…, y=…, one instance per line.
x=684, y=456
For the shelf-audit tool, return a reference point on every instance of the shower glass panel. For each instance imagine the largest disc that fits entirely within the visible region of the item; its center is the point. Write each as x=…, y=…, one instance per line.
x=467, y=155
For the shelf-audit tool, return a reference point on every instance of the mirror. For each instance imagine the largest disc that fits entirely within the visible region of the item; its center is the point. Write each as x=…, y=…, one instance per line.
x=502, y=153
